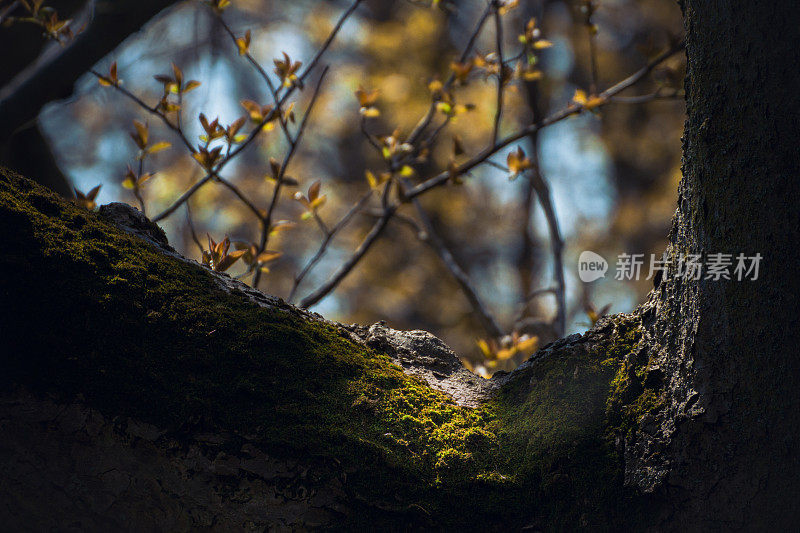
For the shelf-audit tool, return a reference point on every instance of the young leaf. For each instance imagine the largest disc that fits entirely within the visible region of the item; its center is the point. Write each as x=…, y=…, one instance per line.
x=158, y=147
x=140, y=136
x=589, y=102
x=191, y=85
x=267, y=256
x=243, y=43
x=367, y=98
x=517, y=162
x=87, y=200
x=313, y=191
x=112, y=78
x=462, y=70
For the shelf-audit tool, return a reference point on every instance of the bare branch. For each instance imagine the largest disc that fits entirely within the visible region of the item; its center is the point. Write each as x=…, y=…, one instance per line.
x=183, y=198
x=556, y=246
x=461, y=277
x=6, y=11
x=323, y=247
x=591, y=30
x=523, y=308
x=347, y=266
x=334, y=32
x=652, y=97
x=240, y=195
x=192, y=230
x=570, y=110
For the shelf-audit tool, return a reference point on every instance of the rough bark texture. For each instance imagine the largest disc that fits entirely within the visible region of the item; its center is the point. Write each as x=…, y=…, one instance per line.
x=723, y=355
x=142, y=391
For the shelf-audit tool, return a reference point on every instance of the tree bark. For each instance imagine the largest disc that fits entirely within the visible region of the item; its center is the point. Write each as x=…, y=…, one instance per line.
x=723, y=446
x=143, y=391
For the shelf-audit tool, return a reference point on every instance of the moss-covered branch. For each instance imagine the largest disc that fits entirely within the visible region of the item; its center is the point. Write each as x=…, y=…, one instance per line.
x=100, y=316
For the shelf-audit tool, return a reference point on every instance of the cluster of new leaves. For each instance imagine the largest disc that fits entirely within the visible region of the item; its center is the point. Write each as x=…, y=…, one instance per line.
x=311, y=201
x=367, y=101
x=218, y=258
x=265, y=115
x=87, y=200
x=496, y=351
x=517, y=162
x=286, y=69
x=134, y=180
x=46, y=18
x=174, y=89
x=492, y=65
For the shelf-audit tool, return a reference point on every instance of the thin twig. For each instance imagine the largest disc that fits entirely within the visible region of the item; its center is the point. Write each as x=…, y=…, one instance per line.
x=192, y=229
x=556, y=247
x=368, y=135
x=537, y=187
x=240, y=195
x=5, y=13
x=644, y=71
x=645, y=98
x=498, y=25
x=525, y=263
x=183, y=198
x=329, y=235
x=136, y=192
x=461, y=277
x=267, y=221
x=435, y=133
x=529, y=298
x=400, y=217
x=592, y=34
x=347, y=266
x=342, y=19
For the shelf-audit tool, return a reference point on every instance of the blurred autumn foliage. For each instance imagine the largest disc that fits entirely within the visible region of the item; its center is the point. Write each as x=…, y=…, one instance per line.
x=291, y=131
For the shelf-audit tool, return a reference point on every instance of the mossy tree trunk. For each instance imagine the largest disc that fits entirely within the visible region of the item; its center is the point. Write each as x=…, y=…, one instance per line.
x=142, y=391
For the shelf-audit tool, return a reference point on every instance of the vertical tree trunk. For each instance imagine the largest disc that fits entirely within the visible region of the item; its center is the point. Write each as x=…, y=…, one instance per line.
x=725, y=444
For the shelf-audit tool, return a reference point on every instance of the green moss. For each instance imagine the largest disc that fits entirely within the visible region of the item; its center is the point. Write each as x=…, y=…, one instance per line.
x=632, y=397
x=104, y=316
